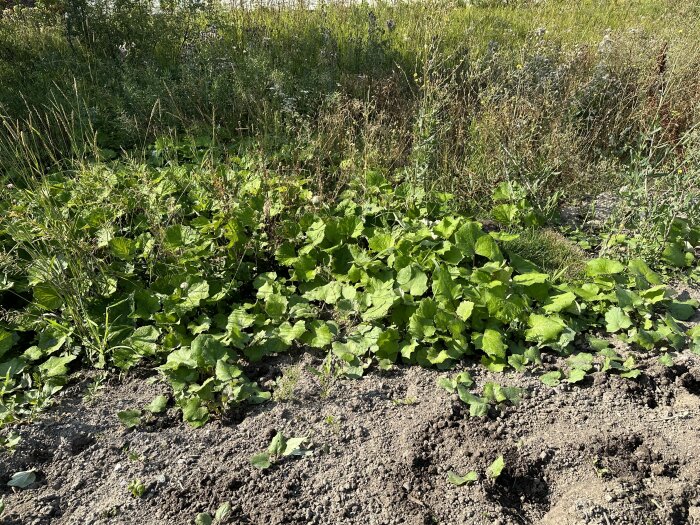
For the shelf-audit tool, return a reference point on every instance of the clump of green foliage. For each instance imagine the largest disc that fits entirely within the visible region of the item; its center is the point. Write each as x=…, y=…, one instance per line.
x=376, y=183
x=196, y=269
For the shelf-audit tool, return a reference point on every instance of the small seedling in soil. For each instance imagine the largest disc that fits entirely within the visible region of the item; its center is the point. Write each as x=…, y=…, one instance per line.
x=333, y=423
x=130, y=418
x=600, y=471
x=158, y=405
x=405, y=401
x=137, y=488
x=279, y=447
x=11, y=441
x=286, y=384
x=204, y=518
x=133, y=456
x=495, y=468
x=457, y=480
x=23, y=479
x=93, y=389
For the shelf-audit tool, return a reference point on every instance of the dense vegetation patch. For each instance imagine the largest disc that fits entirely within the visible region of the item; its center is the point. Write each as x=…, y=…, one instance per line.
x=197, y=269
x=414, y=183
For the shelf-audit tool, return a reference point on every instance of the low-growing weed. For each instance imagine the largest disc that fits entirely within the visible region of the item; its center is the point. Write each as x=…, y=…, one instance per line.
x=279, y=447
x=204, y=518
x=410, y=400
x=94, y=388
x=286, y=383
x=137, y=488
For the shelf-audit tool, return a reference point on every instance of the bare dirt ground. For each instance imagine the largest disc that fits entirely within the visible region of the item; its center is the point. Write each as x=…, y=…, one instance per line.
x=610, y=451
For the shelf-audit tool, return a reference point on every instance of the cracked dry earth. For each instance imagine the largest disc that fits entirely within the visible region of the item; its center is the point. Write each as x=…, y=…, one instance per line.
x=608, y=451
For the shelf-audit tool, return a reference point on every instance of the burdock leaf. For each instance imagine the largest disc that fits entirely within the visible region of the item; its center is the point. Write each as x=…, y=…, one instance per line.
x=22, y=479
x=457, y=480
x=495, y=468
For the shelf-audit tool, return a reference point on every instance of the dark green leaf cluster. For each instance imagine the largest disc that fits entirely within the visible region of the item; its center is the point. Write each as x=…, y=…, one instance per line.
x=198, y=273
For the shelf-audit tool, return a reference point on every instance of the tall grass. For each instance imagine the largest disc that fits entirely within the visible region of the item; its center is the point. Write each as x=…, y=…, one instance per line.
x=558, y=96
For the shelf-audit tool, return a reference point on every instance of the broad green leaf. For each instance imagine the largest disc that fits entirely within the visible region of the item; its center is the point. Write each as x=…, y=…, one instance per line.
x=551, y=378
x=582, y=361
x=223, y=511
x=7, y=341
x=196, y=292
x=478, y=407
x=457, y=480
x=492, y=343
x=576, y=375
x=277, y=445
x=602, y=266
x=503, y=309
x=505, y=213
x=445, y=290
x=544, y=329
x=143, y=340
x=179, y=236
x=207, y=350
x=328, y=293
x=22, y=479
x=123, y=248
x=422, y=322
x=666, y=359
x=146, y=303
x=655, y=294
x=486, y=246
x=464, y=310
x=500, y=394
x=236, y=323
x=316, y=233
x=194, y=413
x=158, y=404
x=203, y=518
x=683, y=310
x=382, y=299
x=380, y=241
x=505, y=191
x=494, y=470
x=598, y=343
x=226, y=371
x=275, y=305
x=676, y=255
x=56, y=366
x=130, y=418
x=47, y=296
x=616, y=319
x=559, y=302
x=293, y=447
x=644, y=275
x=412, y=280
x=319, y=334
x=261, y=461
x=289, y=333
x=466, y=237
x=530, y=278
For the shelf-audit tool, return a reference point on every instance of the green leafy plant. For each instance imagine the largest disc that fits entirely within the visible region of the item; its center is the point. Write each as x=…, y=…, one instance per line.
x=10, y=441
x=494, y=470
x=457, y=480
x=137, y=488
x=279, y=447
x=204, y=518
x=130, y=418
x=384, y=274
x=22, y=479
